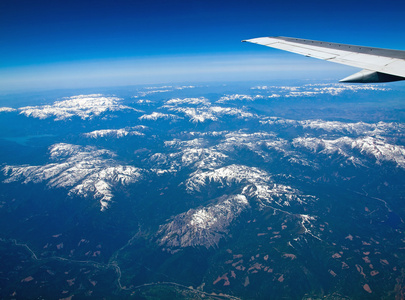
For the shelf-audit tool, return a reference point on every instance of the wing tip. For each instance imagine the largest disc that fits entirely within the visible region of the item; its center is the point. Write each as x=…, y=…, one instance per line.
x=260, y=40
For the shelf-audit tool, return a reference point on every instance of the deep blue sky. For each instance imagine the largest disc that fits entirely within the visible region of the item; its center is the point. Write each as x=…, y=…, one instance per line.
x=51, y=44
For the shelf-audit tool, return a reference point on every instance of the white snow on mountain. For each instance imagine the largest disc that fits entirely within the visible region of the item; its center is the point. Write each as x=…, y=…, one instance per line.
x=208, y=133
x=114, y=133
x=213, y=113
x=239, y=97
x=318, y=89
x=278, y=121
x=358, y=128
x=226, y=176
x=205, y=226
x=189, y=153
x=196, y=115
x=229, y=111
x=85, y=171
x=146, y=93
x=183, y=87
x=336, y=126
x=231, y=140
x=261, y=143
x=83, y=106
x=256, y=142
x=188, y=101
x=255, y=183
x=183, y=144
x=163, y=87
x=279, y=194
x=375, y=147
x=157, y=115
x=368, y=141
x=203, y=159
x=143, y=101
x=202, y=226
x=241, y=138
x=198, y=152
x=7, y=109
x=337, y=88
x=199, y=110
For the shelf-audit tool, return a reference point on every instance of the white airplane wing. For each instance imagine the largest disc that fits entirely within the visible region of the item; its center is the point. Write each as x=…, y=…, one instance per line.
x=379, y=65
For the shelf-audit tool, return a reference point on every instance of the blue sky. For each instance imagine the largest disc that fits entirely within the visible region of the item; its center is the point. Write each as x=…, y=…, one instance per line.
x=58, y=44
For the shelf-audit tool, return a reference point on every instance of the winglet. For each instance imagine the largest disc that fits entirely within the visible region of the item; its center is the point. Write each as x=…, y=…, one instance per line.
x=367, y=76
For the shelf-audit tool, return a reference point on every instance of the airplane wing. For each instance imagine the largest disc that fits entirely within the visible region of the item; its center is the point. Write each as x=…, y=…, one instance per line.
x=379, y=65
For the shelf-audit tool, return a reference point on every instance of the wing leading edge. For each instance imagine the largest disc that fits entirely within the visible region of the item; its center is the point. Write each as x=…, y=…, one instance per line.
x=379, y=65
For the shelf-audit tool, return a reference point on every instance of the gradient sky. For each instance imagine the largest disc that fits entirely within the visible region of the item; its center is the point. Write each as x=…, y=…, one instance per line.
x=58, y=44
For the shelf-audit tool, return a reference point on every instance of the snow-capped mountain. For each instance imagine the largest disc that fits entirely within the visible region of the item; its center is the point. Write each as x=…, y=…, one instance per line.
x=376, y=148
x=157, y=115
x=254, y=183
x=203, y=226
x=311, y=90
x=85, y=171
x=115, y=133
x=83, y=106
